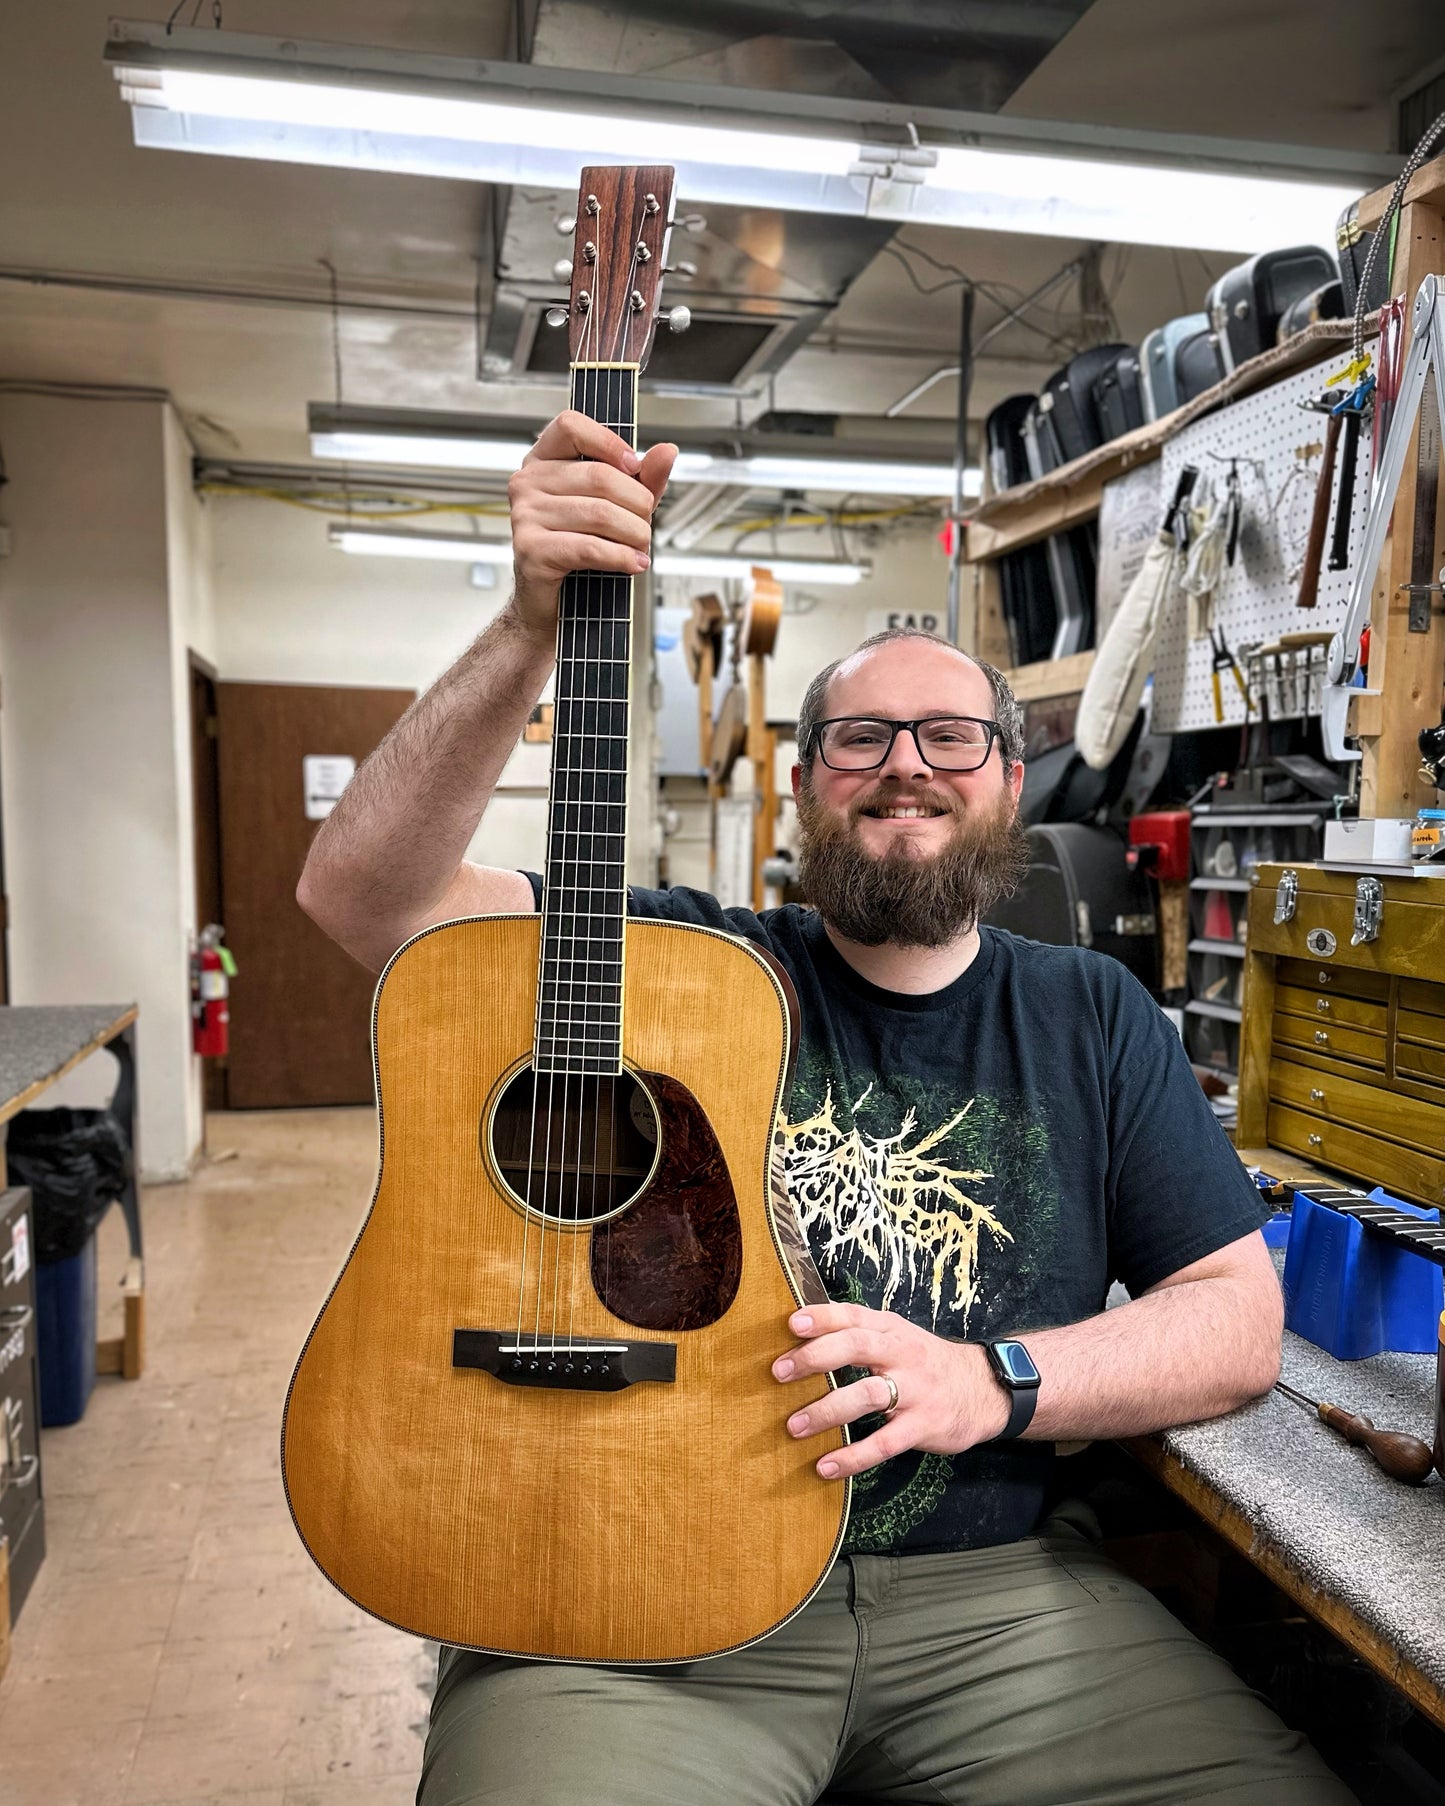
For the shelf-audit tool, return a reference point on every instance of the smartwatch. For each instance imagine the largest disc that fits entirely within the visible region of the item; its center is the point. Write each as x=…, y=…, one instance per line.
x=1014, y=1370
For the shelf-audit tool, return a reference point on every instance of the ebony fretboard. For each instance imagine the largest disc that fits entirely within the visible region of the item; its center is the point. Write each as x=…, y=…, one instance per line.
x=584, y=902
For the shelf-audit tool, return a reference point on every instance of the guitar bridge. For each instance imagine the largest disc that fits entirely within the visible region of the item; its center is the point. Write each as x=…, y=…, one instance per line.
x=567, y=1365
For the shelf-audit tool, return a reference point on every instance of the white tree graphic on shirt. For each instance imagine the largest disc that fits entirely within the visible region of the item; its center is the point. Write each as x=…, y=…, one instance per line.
x=886, y=1202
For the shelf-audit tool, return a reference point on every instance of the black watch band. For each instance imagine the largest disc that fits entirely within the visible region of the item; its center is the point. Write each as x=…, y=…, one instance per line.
x=1014, y=1369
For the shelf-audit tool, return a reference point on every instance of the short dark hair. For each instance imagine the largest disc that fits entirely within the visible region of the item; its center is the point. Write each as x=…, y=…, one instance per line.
x=1006, y=710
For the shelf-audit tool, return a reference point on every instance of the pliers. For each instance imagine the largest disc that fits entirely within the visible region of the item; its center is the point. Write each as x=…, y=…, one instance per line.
x=1224, y=660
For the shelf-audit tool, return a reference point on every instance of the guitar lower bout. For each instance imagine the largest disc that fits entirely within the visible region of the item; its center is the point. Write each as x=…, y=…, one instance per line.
x=537, y=1414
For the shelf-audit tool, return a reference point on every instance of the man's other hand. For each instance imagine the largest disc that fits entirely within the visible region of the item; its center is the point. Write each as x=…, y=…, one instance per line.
x=948, y=1399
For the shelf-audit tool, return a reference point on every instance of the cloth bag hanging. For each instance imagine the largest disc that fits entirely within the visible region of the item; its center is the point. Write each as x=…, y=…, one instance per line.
x=1126, y=657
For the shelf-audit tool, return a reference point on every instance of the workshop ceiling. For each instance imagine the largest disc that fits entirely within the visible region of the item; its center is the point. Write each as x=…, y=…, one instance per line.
x=212, y=278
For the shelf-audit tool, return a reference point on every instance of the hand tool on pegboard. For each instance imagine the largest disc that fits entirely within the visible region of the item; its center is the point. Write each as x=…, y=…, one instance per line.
x=1224, y=660
x=1309, y=583
x=1400, y=1455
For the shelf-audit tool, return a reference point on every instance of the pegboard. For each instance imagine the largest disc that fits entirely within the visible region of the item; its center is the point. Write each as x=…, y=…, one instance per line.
x=1254, y=600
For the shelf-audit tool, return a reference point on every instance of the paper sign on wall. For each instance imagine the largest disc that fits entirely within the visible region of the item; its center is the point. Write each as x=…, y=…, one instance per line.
x=20, y=1247
x=921, y=620
x=323, y=778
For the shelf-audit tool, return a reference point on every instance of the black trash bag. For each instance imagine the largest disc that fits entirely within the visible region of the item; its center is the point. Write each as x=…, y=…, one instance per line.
x=76, y=1163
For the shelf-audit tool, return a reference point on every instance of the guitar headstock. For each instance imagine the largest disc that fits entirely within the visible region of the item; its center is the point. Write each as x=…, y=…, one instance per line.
x=623, y=219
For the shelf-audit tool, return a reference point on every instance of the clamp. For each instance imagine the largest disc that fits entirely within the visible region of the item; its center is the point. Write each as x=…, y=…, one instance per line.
x=1224, y=660
x=1426, y=352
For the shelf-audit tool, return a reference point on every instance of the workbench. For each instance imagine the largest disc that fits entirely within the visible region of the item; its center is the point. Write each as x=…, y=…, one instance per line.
x=39, y=1044
x=1358, y=1551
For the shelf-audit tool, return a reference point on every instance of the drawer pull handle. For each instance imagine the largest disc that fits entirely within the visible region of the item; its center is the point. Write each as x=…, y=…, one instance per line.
x=25, y=1473
x=1316, y=1141
x=1316, y=1095
x=15, y=1316
x=1322, y=1038
x=1322, y=1004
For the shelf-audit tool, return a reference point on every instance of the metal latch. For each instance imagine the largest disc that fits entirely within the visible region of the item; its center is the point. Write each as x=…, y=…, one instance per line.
x=1126, y=925
x=1369, y=907
x=1084, y=922
x=1286, y=895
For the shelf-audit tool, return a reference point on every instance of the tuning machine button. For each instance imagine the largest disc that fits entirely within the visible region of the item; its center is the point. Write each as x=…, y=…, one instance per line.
x=556, y=316
x=678, y=318
x=562, y=269
x=684, y=271
x=567, y=225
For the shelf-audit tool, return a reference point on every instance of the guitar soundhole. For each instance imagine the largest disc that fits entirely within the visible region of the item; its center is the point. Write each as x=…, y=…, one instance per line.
x=574, y=1149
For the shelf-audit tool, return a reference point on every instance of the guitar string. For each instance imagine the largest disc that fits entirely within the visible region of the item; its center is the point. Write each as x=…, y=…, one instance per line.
x=557, y=821
x=614, y=589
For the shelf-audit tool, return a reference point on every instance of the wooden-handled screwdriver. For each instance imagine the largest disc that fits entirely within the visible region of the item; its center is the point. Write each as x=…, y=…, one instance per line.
x=1402, y=1457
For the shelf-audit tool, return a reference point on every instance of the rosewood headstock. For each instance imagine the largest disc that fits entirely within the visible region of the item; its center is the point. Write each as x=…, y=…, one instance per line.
x=623, y=219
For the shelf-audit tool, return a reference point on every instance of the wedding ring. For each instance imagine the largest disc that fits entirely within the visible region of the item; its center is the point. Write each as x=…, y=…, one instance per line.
x=892, y=1394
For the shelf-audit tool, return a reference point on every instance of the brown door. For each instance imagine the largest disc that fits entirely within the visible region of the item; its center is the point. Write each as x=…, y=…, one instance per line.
x=206, y=821
x=300, y=1007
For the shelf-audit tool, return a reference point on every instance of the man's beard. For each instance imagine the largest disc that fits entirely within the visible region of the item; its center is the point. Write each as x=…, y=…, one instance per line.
x=904, y=896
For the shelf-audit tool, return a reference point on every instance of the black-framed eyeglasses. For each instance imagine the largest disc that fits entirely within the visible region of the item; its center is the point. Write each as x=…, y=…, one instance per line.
x=944, y=742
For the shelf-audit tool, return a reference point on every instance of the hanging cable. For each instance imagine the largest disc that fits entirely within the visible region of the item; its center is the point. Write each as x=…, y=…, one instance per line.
x=1386, y=226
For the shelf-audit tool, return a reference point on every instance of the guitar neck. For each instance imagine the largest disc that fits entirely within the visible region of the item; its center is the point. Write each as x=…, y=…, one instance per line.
x=584, y=900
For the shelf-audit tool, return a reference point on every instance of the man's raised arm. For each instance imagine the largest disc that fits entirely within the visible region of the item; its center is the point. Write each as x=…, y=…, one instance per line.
x=387, y=862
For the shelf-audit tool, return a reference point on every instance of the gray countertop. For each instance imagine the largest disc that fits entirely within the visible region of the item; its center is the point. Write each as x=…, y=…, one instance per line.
x=36, y=1040
x=1375, y=1545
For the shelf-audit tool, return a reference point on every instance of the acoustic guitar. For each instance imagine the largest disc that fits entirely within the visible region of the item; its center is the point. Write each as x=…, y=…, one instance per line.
x=536, y=1415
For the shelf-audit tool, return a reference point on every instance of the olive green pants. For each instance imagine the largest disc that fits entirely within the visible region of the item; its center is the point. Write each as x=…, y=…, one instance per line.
x=1033, y=1674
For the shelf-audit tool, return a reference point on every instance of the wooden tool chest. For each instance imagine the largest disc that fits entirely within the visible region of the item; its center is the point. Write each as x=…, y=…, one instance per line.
x=1342, y=1053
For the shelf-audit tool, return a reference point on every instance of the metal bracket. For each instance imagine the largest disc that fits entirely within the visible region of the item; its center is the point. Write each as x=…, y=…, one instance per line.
x=1286, y=896
x=1369, y=908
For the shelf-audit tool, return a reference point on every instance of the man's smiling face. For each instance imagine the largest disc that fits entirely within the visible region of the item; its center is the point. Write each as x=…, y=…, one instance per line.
x=907, y=852
x=905, y=802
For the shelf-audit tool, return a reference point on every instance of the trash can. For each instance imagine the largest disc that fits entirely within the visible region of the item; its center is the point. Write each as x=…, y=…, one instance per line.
x=75, y=1163
x=65, y=1338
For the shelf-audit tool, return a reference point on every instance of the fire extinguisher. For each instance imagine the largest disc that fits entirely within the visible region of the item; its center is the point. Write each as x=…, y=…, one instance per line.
x=212, y=969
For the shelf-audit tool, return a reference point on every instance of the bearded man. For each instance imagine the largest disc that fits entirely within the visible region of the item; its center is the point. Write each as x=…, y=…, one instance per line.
x=983, y=1134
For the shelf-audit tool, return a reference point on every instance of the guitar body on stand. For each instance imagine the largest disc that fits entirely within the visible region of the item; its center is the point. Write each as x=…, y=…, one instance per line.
x=536, y=1415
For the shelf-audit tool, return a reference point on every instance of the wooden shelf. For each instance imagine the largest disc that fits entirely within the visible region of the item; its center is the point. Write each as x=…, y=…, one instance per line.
x=1051, y=677
x=1070, y=495
x=1225, y=949
x=1221, y=884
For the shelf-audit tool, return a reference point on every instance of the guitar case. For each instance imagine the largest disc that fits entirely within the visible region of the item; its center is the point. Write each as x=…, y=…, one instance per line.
x=1198, y=362
x=1073, y=567
x=1119, y=395
x=1008, y=462
x=1327, y=302
x=1067, y=402
x=1026, y=587
x=1079, y=892
x=1352, y=242
x=1156, y=363
x=1041, y=453
x=1246, y=303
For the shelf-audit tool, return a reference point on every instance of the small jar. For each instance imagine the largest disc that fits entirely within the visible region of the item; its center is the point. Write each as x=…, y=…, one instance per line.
x=1427, y=838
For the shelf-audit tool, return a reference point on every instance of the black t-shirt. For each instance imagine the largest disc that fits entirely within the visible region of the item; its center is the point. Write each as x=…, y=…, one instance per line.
x=985, y=1160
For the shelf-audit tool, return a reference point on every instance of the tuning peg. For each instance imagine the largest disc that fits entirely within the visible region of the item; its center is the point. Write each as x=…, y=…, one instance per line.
x=678, y=319
x=693, y=222
x=684, y=271
x=567, y=225
x=562, y=269
x=556, y=316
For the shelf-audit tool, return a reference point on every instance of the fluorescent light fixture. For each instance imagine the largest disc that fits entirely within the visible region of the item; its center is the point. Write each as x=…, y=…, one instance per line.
x=459, y=450
x=786, y=570
x=421, y=115
x=395, y=542
x=436, y=451
x=461, y=548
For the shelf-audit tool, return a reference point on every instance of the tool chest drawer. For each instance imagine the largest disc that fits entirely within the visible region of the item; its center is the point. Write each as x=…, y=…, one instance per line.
x=22, y=1512
x=1402, y=1171
x=1342, y=1046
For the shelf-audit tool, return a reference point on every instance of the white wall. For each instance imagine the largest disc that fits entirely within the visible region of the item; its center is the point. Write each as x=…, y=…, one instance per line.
x=289, y=608
x=105, y=576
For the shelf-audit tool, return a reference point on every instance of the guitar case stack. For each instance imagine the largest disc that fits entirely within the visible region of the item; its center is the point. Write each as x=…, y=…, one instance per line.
x=1026, y=585
x=1080, y=892
x=1246, y=304
x=1352, y=242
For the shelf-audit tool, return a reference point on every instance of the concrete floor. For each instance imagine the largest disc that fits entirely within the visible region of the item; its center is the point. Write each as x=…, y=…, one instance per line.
x=179, y=1646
